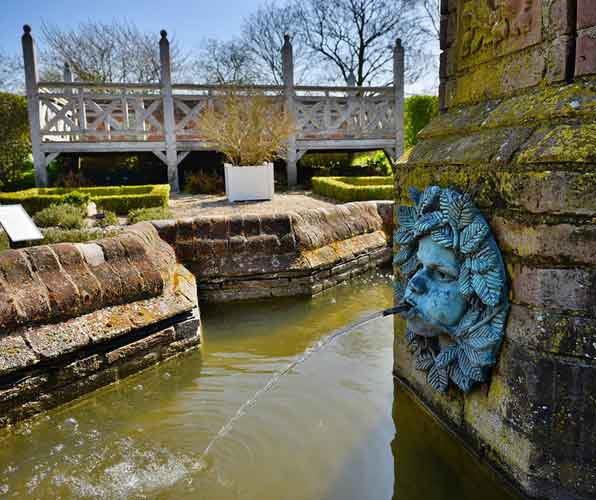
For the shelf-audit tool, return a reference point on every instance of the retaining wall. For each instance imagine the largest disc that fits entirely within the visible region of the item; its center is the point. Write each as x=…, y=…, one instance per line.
x=75, y=317
x=251, y=256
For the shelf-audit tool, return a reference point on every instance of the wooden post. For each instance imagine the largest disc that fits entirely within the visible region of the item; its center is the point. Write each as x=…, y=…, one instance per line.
x=169, y=121
x=31, y=79
x=288, y=74
x=398, y=86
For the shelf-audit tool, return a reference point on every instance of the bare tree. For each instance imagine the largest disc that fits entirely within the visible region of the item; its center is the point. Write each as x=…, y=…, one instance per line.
x=221, y=62
x=107, y=52
x=263, y=32
x=356, y=36
x=432, y=11
x=11, y=74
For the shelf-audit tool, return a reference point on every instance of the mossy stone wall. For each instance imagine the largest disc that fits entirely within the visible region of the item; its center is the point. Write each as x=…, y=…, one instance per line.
x=518, y=130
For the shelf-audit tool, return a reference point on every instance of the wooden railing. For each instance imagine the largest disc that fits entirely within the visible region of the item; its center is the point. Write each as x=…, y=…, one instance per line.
x=67, y=116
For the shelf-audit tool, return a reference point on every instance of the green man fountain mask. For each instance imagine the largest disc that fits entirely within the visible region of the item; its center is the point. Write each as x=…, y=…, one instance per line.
x=453, y=281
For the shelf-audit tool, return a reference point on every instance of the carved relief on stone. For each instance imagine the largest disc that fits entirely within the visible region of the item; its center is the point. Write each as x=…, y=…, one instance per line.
x=453, y=280
x=488, y=23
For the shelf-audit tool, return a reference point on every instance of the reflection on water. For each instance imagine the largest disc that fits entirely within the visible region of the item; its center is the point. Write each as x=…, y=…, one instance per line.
x=430, y=463
x=324, y=431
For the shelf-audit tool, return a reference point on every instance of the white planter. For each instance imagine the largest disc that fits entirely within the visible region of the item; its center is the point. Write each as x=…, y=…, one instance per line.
x=249, y=183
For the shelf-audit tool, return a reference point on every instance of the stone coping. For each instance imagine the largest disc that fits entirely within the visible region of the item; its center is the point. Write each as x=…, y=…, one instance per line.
x=246, y=245
x=52, y=283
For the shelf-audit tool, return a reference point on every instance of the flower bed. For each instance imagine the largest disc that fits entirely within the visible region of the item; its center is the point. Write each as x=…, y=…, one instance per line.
x=118, y=199
x=354, y=188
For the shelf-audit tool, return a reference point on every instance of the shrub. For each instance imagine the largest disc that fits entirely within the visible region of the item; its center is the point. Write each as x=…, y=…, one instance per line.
x=63, y=216
x=58, y=235
x=419, y=110
x=118, y=199
x=143, y=214
x=77, y=198
x=109, y=219
x=248, y=129
x=15, y=144
x=204, y=183
x=354, y=188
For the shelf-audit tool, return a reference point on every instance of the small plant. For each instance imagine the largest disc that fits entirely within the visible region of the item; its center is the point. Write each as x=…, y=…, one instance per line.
x=249, y=129
x=63, y=216
x=204, y=183
x=109, y=219
x=77, y=198
x=144, y=214
x=58, y=235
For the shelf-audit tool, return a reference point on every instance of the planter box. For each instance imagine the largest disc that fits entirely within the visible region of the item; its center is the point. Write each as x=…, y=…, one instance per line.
x=249, y=183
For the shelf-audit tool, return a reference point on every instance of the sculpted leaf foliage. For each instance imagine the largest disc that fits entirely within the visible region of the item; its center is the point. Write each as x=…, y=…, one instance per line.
x=470, y=346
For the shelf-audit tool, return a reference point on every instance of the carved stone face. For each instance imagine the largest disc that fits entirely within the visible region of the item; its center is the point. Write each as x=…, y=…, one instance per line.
x=433, y=291
x=451, y=285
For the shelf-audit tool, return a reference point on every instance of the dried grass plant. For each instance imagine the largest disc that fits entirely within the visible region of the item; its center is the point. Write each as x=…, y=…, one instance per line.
x=248, y=128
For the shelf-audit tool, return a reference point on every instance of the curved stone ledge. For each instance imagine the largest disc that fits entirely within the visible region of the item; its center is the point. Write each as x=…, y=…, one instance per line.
x=75, y=317
x=249, y=256
x=51, y=283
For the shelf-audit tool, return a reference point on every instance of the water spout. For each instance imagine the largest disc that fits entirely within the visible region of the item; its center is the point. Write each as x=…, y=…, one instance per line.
x=225, y=429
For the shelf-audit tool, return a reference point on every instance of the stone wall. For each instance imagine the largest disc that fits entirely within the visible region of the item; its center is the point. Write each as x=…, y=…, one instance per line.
x=518, y=130
x=75, y=317
x=250, y=256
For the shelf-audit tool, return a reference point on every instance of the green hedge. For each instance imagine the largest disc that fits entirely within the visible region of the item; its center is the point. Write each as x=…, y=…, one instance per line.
x=15, y=145
x=118, y=199
x=419, y=110
x=354, y=188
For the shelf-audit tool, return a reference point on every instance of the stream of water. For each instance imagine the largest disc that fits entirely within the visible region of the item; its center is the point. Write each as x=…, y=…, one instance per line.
x=254, y=415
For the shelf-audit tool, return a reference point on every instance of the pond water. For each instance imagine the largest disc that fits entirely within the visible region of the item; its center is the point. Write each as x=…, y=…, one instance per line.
x=327, y=430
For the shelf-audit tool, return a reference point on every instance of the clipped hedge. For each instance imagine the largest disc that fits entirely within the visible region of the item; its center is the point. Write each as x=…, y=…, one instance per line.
x=419, y=110
x=354, y=188
x=118, y=199
x=15, y=145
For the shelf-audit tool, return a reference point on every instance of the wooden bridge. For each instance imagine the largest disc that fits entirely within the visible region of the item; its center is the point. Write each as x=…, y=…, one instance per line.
x=85, y=117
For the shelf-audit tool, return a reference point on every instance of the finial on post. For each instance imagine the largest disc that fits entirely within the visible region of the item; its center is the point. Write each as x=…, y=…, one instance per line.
x=398, y=44
x=163, y=33
x=287, y=42
x=27, y=29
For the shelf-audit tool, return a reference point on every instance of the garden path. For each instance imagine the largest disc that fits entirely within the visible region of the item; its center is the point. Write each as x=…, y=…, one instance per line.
x=189, y=205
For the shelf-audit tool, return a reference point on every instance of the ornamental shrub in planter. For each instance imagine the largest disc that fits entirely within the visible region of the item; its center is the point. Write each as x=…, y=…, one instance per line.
x=250, y=129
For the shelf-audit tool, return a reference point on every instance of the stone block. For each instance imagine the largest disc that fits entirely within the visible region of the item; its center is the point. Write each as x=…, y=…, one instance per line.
x=54, y=340
x=585, y=52
x=556, y=192
x=251, y=225
x=586, y=14
x=567, y=289
x=145, y=344
x=166, y=229
x=558, y=242
x=63, y=294
x=543, y=330
x=15, y=354
x=190, y=327
x=561, y=144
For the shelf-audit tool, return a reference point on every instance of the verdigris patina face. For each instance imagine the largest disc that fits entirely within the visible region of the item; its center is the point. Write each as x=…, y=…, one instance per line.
x=453, y=280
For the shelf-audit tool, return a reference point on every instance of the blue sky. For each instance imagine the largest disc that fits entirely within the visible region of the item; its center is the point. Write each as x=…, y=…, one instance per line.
x=190, y=21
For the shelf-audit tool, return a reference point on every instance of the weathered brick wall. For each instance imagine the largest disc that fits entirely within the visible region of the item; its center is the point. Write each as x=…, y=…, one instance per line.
x=519, y=131
x=250, y=256
x=75, y=317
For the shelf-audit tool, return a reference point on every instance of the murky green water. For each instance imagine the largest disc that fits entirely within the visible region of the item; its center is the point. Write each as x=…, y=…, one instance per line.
x=326, y=431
